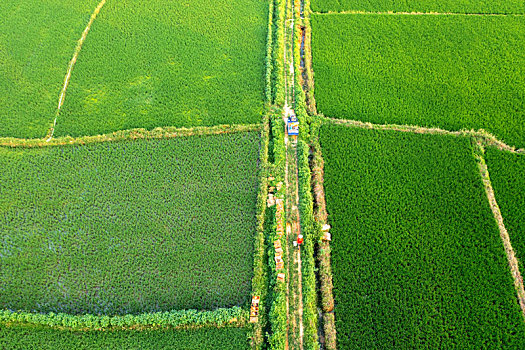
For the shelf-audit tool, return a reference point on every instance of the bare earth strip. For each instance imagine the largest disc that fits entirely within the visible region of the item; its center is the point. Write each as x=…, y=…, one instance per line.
x=414, y=13
x=511, y=256
x=71, y=65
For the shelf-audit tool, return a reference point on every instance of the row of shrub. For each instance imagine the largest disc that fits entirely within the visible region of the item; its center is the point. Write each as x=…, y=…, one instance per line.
x=234, y=316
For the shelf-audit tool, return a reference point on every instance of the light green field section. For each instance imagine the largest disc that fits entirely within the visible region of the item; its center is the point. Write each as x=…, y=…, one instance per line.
x=37, y=41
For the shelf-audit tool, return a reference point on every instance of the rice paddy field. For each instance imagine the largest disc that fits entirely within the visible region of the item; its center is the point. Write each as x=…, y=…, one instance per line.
x=37, y=40
x=507, y=173
x=39, y=338
x=416, y=254
x=151, y=198
x=426, y=6
x=169, y=63
x=129, y=227
x=398, y=70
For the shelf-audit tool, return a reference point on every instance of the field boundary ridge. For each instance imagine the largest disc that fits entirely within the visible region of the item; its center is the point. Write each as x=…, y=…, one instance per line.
x=487, y=138
x=71, y=66
x=415, y=13
x=479, y=155
x=128, y=135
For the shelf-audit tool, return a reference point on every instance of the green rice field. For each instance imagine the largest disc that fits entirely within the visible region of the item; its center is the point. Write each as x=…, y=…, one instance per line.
x=416, y=255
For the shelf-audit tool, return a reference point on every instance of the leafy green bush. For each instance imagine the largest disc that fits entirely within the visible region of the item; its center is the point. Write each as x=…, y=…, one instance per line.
x=397, y=69
x=37, y=42
x=458, y=6
x=22, y=338
x=168, y=319
x=416, y=254
x=129, y=227
x=169, y=63
x=507, y=174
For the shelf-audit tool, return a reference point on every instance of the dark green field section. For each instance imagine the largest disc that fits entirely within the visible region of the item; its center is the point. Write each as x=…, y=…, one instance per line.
x=416, y=254
x=129, y=227
x=443, y=6
x=37, y=41
x=507, y=174
x=199, y=339
x=452, y=72
x=169, y=63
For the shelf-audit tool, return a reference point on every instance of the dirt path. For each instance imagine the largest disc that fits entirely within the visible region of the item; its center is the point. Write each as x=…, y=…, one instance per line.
x=72, y=65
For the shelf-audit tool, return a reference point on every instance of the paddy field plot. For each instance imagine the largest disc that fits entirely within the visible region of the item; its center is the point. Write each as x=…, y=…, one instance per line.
x=452, y=72
x=41, y=338
x=446, y=6
x=168, y=63
x=129, y=227
x=416, y=254
x=507, y=174
x=37, y=40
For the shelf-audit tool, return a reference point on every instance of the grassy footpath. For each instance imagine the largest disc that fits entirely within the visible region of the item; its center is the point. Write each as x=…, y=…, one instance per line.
x=129, y=227
x=417, y=258
x=396, y=69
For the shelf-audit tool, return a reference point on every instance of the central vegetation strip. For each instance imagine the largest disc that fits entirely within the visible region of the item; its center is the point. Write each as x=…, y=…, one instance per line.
x=479, y=152
x=72, y=65
x=417, y=258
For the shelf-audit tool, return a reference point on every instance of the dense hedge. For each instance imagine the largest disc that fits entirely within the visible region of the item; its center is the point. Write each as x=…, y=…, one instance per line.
x=416, y=253
x=169, y=319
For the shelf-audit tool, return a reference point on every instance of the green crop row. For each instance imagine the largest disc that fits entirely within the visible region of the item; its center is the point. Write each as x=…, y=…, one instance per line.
x=129, y=227
x=507, y=174
x=37, y=41
x=148, y=64
x=278, y=57
x=456, y=6
x=416, y=254
x=396, y=69
x=278, y=312
x=310, y=230
x=169, y=319
x=23, y=338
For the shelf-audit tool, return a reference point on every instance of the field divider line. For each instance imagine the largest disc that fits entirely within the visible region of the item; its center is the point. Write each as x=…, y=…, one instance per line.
x=488, y=139
x=72, y=65
x=128, y=135
x=402, y=13
x=479, y=154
